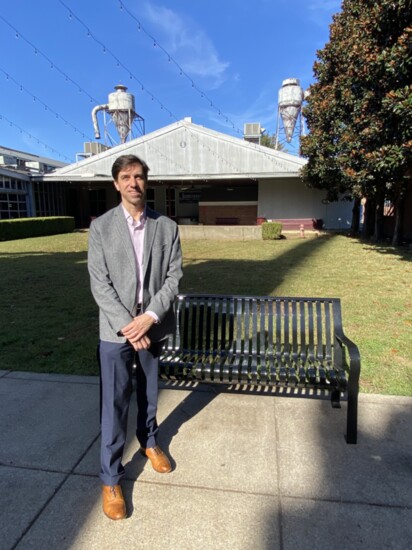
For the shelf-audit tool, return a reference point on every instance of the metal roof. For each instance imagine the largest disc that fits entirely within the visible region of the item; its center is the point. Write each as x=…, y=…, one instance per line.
x=184, y=150
x=30, y=156
x=10, y=172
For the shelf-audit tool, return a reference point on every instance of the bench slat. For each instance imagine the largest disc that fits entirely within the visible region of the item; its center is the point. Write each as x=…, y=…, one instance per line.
x=212, y=367
x=296, y=343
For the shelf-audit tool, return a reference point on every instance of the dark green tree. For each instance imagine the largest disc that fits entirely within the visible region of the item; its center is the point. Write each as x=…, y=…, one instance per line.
x=269, y=140
x=359, y=110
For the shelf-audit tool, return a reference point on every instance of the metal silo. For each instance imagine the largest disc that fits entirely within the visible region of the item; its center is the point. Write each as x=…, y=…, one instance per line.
x=290, y=100
x=121, y=108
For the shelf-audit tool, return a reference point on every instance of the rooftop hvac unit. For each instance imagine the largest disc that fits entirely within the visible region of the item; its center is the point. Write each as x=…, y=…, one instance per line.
x=252, y=132
x=8, y=160
x=252, y=129
x=94, y=148
x=34, y=165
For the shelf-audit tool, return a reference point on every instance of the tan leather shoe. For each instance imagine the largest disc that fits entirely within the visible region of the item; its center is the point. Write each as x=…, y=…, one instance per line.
x=159, y=460
x=114, y=505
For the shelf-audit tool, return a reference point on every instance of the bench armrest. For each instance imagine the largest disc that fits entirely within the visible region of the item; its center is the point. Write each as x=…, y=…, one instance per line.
x=354, y=355
x=353, y=385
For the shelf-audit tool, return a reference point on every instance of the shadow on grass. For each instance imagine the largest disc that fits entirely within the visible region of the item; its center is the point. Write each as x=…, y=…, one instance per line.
x=403, y=253
x=249, y=277
x=49, y=318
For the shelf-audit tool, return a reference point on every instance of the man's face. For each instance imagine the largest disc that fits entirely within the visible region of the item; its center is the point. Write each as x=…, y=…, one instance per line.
x=131, y=184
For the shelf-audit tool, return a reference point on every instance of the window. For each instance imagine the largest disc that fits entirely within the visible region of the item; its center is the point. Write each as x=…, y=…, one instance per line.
x=49, y=199
x=170, y=202
x=97, y=202
x=12, y=183
x=13, y=205
x=150, y=198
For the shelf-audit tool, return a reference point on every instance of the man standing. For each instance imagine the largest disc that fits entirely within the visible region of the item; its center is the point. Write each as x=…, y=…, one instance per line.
x=135, y=265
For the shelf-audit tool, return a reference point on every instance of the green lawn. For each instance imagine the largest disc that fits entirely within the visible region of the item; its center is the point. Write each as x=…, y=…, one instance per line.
x=49, y=320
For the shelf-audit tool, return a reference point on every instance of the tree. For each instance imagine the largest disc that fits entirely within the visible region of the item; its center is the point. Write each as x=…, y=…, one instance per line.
x=269, y=140
x=359, y=110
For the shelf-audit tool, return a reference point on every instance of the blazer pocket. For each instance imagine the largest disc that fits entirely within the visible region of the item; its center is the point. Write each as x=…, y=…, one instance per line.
x=161, y=247
x=161, y=251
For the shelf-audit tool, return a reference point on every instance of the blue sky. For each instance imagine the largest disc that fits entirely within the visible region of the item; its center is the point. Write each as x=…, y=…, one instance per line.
x=60, y=58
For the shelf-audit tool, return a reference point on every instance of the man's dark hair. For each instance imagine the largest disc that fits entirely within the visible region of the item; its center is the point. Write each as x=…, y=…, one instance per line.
x=128, y=160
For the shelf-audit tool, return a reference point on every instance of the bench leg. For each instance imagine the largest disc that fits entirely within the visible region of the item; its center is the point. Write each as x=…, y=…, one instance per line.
x=352, y=419
x=335, y=399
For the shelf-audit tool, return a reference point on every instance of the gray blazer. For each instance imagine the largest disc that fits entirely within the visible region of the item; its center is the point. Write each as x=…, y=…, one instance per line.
x=113, y=275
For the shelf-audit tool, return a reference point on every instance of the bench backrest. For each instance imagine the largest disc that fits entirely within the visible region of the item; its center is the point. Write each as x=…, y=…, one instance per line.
x=302, y=328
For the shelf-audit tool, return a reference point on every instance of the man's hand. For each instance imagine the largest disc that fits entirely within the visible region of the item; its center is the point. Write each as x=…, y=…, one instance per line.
x=136, y=331
x=143, y=343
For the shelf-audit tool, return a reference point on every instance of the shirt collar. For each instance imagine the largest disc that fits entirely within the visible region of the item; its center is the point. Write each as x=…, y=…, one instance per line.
x=131, y=221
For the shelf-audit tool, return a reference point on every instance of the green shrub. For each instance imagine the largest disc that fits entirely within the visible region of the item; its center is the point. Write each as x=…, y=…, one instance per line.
x=271, y=231
x=23, y=228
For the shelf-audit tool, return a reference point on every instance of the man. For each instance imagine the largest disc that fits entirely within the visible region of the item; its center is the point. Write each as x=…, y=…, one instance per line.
x=135, y=265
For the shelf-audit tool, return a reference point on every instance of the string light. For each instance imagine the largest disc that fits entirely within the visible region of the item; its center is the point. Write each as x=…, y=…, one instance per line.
x=119, y=63
x=39, y=141
x=80, y=89
x=36, y=50
x=202, y=94
x=45, y=105
x=233, y=168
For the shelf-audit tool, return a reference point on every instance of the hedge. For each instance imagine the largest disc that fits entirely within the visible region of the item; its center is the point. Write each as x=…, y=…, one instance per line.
x=22, y=228
x=271, y=231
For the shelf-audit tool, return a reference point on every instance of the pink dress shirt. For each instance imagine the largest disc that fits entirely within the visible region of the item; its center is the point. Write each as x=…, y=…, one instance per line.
x=137, y=230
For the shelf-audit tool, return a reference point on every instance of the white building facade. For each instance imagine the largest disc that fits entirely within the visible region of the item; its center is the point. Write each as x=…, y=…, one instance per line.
x=200, y=176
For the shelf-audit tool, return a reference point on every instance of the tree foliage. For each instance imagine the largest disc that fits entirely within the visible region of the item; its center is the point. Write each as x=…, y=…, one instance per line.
x=269, y=140
x=359, y=110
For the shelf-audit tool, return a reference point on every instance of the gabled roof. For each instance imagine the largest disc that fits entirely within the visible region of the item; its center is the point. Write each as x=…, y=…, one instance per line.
x=184, y=150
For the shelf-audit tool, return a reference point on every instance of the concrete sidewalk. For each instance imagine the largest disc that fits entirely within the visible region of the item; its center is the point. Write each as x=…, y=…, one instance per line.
x=250, y=472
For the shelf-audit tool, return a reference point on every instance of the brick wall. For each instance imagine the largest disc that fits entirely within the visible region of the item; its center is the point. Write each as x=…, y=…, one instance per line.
x=245, y=215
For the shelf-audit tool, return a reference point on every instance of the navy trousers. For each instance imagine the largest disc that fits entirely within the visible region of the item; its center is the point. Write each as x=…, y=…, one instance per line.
x=116, y=366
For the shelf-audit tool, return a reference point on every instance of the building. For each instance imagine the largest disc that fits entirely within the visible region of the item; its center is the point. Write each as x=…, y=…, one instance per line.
x=19, y=196
x=198, y=175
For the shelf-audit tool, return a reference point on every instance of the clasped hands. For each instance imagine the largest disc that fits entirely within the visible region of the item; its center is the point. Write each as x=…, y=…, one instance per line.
x=136, y=331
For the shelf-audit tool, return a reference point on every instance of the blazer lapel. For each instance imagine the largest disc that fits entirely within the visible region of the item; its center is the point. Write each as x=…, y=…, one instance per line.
x=123, y=230
x=150, y=231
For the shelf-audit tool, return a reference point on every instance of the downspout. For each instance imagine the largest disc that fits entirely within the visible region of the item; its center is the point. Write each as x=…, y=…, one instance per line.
x=94, y=119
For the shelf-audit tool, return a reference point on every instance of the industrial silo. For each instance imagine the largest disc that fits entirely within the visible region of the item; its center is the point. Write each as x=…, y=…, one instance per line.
x=290, y=100
x=121, y=108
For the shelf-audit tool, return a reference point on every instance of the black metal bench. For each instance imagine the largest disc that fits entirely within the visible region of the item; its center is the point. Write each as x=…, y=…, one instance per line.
x=294, y=344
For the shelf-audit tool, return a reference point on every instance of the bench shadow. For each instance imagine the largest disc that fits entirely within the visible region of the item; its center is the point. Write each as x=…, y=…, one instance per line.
x=192, y=404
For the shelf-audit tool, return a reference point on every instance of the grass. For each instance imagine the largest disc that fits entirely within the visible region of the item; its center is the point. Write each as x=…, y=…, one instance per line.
x=49, y=320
